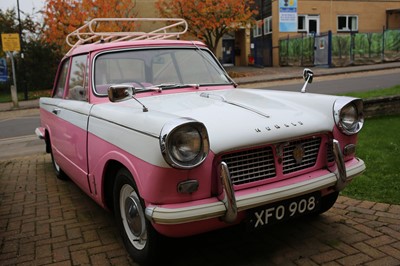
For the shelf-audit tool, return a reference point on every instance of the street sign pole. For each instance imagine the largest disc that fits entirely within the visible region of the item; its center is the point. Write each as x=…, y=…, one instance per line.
x=10, y=43
x=14, y=95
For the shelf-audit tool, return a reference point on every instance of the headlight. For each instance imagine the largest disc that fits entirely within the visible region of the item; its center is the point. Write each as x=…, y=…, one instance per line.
x=348, y=113
x=184, y=143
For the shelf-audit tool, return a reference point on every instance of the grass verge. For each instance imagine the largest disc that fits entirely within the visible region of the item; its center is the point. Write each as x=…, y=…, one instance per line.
x=5, y=98
x=379, y=147
x=395, y=90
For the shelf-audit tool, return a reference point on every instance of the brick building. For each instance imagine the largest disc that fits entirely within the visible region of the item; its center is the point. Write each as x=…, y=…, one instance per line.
x=260, y=45
x=315, y=17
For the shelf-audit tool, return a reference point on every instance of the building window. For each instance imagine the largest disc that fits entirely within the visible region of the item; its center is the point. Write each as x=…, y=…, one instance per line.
x=267, y=25
x=301, y=23
x=257, y=29
x=347, y=23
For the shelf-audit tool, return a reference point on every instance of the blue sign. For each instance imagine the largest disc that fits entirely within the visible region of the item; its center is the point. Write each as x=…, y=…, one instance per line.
x=287, y=15
x=3, y=70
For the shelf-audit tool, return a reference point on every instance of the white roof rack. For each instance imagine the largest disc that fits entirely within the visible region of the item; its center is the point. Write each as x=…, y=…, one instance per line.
x=88, y=34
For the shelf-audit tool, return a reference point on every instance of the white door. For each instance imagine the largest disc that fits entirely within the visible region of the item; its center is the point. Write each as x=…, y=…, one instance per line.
x=313, y=24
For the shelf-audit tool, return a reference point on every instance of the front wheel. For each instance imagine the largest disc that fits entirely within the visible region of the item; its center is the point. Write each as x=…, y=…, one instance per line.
x=138, y=235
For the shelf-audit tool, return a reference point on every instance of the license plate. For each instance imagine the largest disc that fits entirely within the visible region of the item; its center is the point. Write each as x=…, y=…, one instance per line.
x=283, y=210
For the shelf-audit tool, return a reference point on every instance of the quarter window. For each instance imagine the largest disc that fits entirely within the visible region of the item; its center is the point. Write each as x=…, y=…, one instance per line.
x=76, y=85
x=62, y=79
x=347, y=23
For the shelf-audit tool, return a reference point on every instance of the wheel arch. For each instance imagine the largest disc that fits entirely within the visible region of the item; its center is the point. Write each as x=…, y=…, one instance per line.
x=110, y=171
x=47, y=141
x=112, y=166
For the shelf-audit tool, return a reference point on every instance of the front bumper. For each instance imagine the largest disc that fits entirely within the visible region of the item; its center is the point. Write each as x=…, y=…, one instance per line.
x=40, y=133
x=228, y=204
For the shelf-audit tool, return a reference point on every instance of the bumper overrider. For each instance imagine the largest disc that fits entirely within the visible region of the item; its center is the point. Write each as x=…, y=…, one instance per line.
x=227, y=205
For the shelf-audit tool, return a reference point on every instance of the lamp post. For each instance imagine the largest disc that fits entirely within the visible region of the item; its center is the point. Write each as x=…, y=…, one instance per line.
x=22, y=51
x=20, y=28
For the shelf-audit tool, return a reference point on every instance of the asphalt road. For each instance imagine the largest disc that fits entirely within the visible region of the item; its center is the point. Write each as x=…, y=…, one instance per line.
x=337, y=84
x=17, y=134
x=19, y=126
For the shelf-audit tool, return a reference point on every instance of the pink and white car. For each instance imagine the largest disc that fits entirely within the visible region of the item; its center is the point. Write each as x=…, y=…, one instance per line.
x=157, y=132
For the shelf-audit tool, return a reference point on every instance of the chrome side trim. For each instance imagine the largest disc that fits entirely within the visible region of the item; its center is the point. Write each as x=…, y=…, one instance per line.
x=203, y=211
x=149, y=134
x=228, y=194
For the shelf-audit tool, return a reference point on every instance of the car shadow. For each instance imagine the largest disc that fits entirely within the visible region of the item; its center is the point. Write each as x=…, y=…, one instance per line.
x=276, y=245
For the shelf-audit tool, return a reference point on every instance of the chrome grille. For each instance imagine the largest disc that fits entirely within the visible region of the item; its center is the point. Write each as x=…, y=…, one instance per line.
x=329, y=152
x=309, y=149
x=250, y=165
x=260, y=164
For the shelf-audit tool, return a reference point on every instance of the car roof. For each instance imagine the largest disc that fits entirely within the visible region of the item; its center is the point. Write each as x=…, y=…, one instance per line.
x=88, y=48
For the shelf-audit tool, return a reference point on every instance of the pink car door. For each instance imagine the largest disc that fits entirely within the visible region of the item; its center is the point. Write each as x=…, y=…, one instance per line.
x=70, y=117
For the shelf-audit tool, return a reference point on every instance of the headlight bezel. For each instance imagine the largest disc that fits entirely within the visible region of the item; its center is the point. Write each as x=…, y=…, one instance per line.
x=169, y=144
x=349, y=115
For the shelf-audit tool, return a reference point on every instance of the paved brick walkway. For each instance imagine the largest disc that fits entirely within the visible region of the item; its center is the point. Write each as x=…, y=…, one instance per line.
x=45, y=221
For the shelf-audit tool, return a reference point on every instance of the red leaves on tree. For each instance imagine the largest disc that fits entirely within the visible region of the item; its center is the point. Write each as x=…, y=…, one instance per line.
x=209, y=20
x=61, y=17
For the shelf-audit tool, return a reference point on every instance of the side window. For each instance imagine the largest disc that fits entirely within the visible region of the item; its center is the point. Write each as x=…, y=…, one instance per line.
x=76, y=84
x=62, y=78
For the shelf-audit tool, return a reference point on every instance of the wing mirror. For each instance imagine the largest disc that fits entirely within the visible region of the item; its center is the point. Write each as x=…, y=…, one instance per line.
x=120, y=93
x=308, y=77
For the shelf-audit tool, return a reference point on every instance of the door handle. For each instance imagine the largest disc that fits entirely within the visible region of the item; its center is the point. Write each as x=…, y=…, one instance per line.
x=56, y=111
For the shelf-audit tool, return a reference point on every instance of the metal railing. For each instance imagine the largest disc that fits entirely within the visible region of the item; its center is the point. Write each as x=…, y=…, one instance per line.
x=346, y=49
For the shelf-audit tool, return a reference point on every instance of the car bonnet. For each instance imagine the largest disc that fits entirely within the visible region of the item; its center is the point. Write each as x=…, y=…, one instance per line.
x=233, y=118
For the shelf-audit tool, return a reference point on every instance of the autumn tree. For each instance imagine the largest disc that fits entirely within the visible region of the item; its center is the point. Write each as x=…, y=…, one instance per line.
x=61, y=17
x=209, y=20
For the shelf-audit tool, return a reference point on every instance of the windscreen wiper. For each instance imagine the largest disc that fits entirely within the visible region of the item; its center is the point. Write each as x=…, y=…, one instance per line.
x=165, y=86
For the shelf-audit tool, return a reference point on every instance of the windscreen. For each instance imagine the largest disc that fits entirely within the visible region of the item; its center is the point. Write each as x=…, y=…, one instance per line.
x=152, y=67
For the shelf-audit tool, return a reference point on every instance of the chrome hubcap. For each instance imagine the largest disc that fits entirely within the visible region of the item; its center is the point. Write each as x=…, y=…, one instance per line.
x=133, y=217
